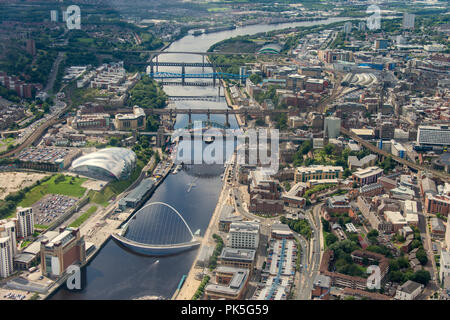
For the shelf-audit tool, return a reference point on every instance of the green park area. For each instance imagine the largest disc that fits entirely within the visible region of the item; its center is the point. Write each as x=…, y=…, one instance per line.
x=115, y=188
x=57, y=184
x=81, y=219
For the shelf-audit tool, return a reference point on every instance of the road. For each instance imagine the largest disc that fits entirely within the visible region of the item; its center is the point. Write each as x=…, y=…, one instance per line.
x=54, y=72
x=431, y=267
x=311, y=270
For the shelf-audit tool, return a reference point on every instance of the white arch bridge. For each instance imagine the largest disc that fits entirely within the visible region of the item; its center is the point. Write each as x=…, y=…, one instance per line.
x=157, y=229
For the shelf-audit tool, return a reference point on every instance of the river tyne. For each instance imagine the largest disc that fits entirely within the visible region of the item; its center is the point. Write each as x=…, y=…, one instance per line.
x=116, y=273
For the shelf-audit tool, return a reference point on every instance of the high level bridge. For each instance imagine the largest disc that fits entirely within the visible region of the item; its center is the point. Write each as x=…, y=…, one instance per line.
x=173, y=112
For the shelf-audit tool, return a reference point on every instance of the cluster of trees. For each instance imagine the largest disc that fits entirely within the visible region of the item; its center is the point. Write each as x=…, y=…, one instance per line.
x=10, y=95
x=255, y=78
x=219, y=246
x=201, y=288
x=147, y=94
x=30, y=69
x=343, y=262
x=317, y=188
x=142, y=149
x=300, y=226
x=152, y=122
x=400, y=272
x=387, y=164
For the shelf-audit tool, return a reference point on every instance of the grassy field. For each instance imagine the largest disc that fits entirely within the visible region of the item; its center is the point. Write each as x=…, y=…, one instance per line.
x=79, y=221
x=69, y=186
x=82, y=95
x=25, y=243
x=218, y=9
x=40, y=226
x=115, y=188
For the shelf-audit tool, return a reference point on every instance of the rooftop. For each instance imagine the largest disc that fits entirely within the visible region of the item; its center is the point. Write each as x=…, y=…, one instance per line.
x=409, y=286
x=241, y=254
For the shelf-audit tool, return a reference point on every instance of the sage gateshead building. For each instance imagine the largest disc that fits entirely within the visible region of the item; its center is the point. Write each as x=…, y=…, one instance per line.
x=106, y=164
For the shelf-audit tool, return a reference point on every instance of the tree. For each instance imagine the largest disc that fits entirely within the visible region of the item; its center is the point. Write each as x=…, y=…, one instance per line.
x=403, y=262
x=255, y=78
x=113, y=141
x=329, y=149
x=331, y=238
x=422, y=256
x=421, y=276
x=306, y=147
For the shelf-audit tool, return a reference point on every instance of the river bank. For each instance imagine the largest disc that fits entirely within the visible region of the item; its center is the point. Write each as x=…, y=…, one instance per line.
x=191, y=284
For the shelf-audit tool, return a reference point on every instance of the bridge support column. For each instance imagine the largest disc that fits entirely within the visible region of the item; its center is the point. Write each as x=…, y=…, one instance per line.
x=227, y=119
x=245, y=117
x=214, y=79
x=183, y=73
x=219, y=93
x=203, y=63
x=151, y=68
x=209, y=115
x=157, y=69
x=190, y=116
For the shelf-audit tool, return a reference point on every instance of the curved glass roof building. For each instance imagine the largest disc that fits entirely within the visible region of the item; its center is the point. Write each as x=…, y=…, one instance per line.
x=110, y=163
x=272, y=48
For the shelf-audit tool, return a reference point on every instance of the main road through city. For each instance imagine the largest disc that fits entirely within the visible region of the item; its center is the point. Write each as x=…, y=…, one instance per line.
x=118, y=274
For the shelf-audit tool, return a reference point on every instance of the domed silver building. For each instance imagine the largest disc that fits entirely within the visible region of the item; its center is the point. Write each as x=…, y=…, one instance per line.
x=106, y=164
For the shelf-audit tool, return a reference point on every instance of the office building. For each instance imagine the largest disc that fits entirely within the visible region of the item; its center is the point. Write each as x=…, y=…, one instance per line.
x=237, y=258
x=409, y=290
x=387, y=130
x=444, y=270
x=62, y=251
x=25, y=218
x=408, y=20
x=317, y=172
x=435, y=203
x=433, y=135
x=381, y=44
x=96, y=121
x=6, y=257
x=131, y=121
x=332, y=127
x=231, y=284
x=8, y=228
x=321, y=287
x=244, y=235
x=367, y=161
x=31, y=47
x=54, y=15
x=397, y=149
x=348, y=27
x=367, y=175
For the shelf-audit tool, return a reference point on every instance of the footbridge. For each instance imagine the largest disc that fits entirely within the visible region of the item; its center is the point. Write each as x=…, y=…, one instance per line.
x=157, y=229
